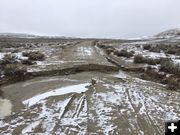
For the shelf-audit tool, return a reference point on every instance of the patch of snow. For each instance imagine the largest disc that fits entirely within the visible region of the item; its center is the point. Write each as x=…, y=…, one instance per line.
x=85, y=51
x=46, y=63
x=60, y=91
x=176, y=61
x=2, y=55
x=121, y=75
x=102, y=111
x=154, y=54
x=20, y=56
x=63, y=106
x=88, y=51
x=17, y=55
x=99, y=50
x=33, y=70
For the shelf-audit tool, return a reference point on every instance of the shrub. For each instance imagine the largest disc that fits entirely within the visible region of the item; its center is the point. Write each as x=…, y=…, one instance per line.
x=170, y=67
x=171, y=51
x=153, y=75
x=178, y=51
x=147, y=47
x=27, y=62
x=155, y=49
x=132, y=52
x=167, y=48
x=109, y=50
x=25, y=54
x=101, y=46
x=34, y=55
x=14, y=70
x=8, y=59
x=141, y=59
x=152, y=61
x=138, y=58
x=173, y=83
x=123, y=53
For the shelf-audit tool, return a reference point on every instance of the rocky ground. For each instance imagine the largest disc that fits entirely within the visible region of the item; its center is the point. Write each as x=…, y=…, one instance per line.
x=88, y=86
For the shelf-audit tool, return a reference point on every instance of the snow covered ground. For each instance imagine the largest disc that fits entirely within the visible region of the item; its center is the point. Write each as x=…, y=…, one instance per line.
x=17, y=55
x=61, y=91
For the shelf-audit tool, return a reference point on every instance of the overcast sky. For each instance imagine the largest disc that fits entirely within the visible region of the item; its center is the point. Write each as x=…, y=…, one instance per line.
x=89, y=18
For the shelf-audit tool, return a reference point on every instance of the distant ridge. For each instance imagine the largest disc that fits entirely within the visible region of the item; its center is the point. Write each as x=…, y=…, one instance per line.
x=23, y=35
x=169, y=33
x=17, y=35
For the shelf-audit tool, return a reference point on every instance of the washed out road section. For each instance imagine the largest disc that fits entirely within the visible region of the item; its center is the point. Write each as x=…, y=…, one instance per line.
x=76, y=57
x=117, y=104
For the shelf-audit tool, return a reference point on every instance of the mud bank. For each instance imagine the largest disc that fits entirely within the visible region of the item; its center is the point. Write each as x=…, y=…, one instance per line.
x=76, y=69
x=62, y=71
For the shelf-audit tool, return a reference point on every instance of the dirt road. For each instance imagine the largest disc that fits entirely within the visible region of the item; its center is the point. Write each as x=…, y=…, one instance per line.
x=116, y=103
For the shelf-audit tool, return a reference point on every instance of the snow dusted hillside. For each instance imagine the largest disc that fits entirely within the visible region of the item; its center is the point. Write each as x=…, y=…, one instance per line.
x=169, y=33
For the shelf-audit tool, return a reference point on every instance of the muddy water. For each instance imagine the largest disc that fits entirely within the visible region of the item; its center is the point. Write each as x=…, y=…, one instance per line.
x=5, y=108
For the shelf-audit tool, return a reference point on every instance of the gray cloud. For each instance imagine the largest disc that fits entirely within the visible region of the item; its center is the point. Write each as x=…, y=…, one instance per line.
x=89, y=18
